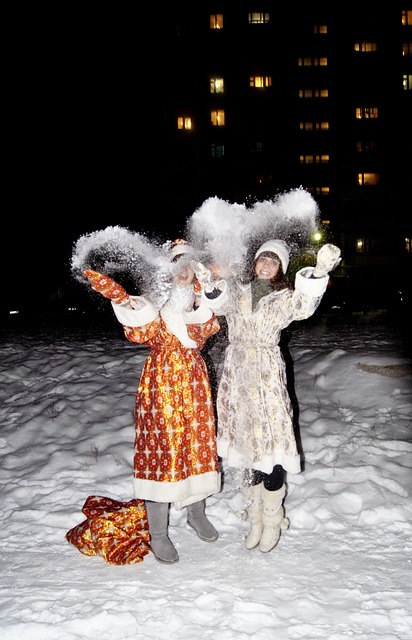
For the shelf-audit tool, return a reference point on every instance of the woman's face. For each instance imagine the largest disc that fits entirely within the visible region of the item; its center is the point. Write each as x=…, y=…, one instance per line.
x=183, y=273
x=267, y=265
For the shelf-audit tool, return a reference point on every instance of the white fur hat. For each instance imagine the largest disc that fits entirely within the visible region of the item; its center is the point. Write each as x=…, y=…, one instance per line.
x=179, y=247
x=280, y=248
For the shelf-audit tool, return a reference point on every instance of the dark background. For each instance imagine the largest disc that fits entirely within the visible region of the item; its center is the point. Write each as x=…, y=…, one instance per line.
x=82, y=151
x=83, y=103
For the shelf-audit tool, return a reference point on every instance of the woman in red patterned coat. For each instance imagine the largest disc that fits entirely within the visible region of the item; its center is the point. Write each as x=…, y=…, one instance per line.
x=175, y=459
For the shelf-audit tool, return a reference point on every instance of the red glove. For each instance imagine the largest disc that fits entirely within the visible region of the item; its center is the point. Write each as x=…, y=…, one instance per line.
x=108, y=287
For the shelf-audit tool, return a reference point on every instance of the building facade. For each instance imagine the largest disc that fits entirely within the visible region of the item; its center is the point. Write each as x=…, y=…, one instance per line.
x=257, y=99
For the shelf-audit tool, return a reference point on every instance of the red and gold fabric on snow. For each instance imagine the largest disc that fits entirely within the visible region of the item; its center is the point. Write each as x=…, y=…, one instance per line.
x=116, y=531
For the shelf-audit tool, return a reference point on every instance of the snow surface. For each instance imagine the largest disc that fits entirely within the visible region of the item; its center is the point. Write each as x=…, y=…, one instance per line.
x=343, y=569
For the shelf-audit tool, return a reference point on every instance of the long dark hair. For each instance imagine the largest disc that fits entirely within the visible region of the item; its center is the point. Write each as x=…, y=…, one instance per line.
x=279, y=281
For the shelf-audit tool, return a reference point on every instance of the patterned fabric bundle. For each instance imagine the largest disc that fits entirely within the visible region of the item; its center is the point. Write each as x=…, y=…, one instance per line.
x=117, y=531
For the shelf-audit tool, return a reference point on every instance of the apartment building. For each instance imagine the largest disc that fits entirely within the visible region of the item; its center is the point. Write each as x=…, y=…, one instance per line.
x=258, y=98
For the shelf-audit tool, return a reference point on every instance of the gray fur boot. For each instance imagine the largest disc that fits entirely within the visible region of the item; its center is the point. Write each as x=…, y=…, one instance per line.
x=158, y=519
x=273, y=518
x=254, y=507
x=196, y=518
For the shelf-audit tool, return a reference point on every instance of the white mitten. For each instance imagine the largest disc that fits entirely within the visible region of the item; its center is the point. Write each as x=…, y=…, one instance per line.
x=204, y=276
x=328, y=258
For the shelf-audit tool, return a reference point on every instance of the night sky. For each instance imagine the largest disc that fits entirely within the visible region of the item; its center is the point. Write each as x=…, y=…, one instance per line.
x=82, y=153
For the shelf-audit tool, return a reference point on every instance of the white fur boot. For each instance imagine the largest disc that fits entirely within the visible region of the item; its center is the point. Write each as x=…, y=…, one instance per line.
x=273, y=518
x=254, y=506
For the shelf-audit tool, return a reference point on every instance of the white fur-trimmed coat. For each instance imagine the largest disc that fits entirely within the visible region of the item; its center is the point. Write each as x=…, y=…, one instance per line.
x=254, y=412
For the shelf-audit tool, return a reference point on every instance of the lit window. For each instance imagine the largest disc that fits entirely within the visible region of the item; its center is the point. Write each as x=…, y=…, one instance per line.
x=260, y=82
x=406, y=18
x=365, y=47
x=407, y=49
x=368, y=179
x=311, y=126
x=313, y=93
x=216, y=21
x=217, y=117
x=184, y=123
x=258, y=18
x=320, y=28
x=360, y=245
x=217, y=85
x=408, y=245
x=320, y=191
x=407, y=82
x=312, y=62
x=368, y=113
x=311, y=159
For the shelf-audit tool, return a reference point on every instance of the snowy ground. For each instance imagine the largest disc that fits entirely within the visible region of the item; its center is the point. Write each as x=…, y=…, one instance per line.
x=343, y=569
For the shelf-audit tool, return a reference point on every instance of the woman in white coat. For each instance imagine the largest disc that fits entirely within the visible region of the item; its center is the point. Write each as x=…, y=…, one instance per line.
x=255, y=418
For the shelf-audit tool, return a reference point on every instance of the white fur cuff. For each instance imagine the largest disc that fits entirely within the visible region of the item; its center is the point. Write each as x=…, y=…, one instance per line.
x=135, y=317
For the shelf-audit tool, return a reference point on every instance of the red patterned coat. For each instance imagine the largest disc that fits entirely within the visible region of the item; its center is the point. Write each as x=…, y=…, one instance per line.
x=175, y=456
